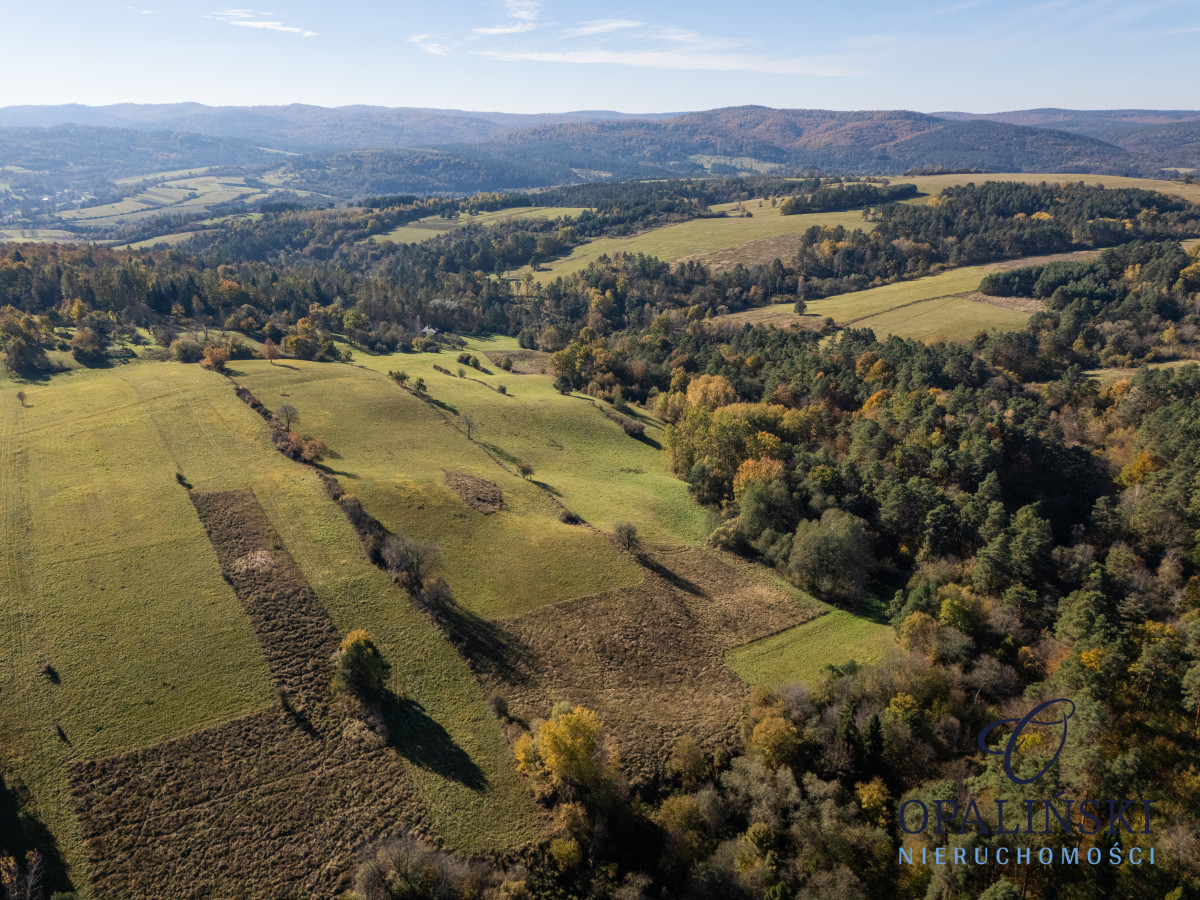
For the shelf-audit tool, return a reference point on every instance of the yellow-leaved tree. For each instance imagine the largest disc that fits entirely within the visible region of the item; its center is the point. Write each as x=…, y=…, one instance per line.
x=569, y=751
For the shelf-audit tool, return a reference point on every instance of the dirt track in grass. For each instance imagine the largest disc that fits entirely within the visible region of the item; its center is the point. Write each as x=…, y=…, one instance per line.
x=274, y=804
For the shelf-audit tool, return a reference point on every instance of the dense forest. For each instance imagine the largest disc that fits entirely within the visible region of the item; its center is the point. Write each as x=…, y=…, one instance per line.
x=1028, y=533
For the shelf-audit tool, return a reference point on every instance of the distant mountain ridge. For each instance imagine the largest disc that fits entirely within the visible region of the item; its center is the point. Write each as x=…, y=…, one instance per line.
x=68, y=156
x=301, y=127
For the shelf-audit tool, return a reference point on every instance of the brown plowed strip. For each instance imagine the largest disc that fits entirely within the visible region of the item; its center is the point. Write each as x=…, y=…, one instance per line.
x=272, y=805
x=647, y=658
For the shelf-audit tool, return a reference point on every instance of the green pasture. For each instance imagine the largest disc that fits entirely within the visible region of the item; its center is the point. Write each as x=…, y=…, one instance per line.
x=719, y=242
x=108, y=577
x=929, y=185
x=583, y=458
x=801, y=653
x=936, y=307
x=432, y=226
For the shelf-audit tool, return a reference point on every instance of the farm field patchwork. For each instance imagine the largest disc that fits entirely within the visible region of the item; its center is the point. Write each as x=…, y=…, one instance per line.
x=113, y=557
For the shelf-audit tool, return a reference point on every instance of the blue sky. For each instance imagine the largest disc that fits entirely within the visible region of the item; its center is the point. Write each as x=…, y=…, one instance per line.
x=547, y=55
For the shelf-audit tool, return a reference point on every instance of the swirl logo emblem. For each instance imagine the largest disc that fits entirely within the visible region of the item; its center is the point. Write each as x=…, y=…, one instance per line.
x=1049, y=714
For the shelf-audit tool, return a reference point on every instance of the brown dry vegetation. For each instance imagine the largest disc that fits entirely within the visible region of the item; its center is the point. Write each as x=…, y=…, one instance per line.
x=646, y=658
x=273, y=804
x=478, y=493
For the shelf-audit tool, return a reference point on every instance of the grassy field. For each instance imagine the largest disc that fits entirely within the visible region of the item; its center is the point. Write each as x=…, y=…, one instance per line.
x=110, y=580
x=716, y=242
x=937, y=307
x=175, y=196
x=37, y=235
x=585, y=460
x=432, y=226
x=932, y=184
x=394, y=452
x=801, y=653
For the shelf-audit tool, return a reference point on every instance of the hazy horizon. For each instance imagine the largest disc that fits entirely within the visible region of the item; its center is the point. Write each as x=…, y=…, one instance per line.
x=528, y=56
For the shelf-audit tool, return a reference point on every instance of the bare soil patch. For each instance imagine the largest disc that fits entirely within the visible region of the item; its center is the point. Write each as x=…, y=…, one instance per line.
x=647, y=658
x=276, y=803
x=524, y=362
x=1020, y=304
x=477, y=493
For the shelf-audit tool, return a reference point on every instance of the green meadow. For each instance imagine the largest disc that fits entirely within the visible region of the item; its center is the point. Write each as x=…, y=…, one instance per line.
x=432, y=226
x=801, y=654
x=112, y=583
x=585, y=460
x=936, y=307
x=719, y=242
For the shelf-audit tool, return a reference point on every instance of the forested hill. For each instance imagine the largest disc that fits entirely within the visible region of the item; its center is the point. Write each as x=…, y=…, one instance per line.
x=1168, y=137
x=851, y=142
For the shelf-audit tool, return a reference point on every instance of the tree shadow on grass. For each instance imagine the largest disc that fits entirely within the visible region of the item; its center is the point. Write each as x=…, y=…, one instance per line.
x=545, y=487
x=425, y=743
x=673, y=577
x=440, y=404
x=21, y=831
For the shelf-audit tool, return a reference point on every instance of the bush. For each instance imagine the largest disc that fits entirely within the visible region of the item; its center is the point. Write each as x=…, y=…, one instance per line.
x=186, y=350
x=501, y=389
x=569, y=518
x=87, y=347
x=360, y=668
x=525, y=469
x=632, y=428
x=215, y=358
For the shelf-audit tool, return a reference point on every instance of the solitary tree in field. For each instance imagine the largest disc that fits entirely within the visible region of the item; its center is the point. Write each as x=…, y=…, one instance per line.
x=409, y=560
x=21, y=398
x=288, y=414
x=361, y=668
x=469, y=422
x=269, y=351
x=627, y=536
x=525, y=469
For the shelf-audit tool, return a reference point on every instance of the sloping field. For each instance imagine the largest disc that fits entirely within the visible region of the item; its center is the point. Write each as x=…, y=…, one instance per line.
x=394, y=451
x=108, y=578
x=945, y=306
x=801, y=653
x=184, y=195
x=584, y=460
x=432, y=226
x=932, y=184
x=718, y=242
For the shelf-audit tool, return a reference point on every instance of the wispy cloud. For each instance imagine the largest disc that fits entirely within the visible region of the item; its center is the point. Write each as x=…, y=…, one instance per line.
x=601, y=26
x=245, y=18
x=680, y=59
x=430, y=46
x=526, y=10
x=510, y=28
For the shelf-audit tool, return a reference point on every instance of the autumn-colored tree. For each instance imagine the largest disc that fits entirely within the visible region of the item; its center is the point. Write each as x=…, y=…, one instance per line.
x=711, y=391
x=269, y=351
x=215, y=358
x=568, y=751
x=360, y=668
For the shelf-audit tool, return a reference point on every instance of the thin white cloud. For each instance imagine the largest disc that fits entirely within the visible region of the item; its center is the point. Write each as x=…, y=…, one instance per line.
x=247, y=19
x=429, y=46
x=511, y=28
x=601, y=26
x=526, y=10
x=680, y=59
